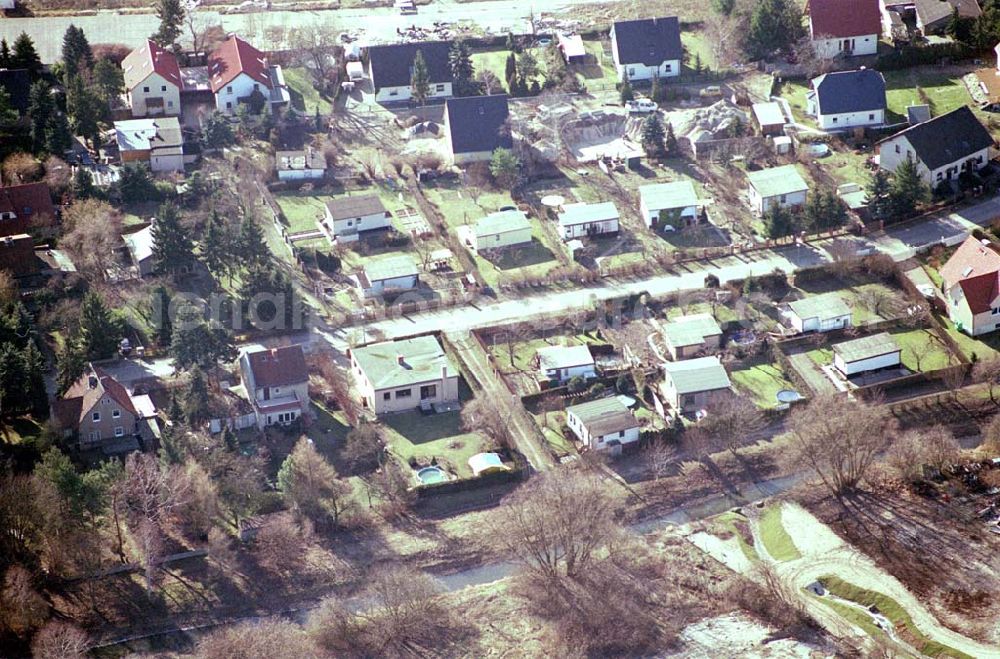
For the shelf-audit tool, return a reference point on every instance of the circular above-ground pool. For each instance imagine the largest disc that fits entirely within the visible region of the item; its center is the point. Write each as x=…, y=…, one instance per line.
x=788, y=396
x=744, y=337
x=429, y=475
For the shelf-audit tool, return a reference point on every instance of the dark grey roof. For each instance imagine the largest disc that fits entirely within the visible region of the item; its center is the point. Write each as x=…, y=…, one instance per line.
x=604, y=416
x=916, y=114
x=650, y=41
x=391, y=66
x=850, y=91
x=947, y=138
x=343, y=208
x=17, y=82
x=478, y=123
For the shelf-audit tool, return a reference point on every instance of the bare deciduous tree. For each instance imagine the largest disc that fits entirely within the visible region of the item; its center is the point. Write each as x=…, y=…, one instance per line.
x=931, y=447
x=987, y=371
x=267, y=639
x=660, y=457
x=556, y=523
x=364, y=448
x=311, y=485
x=22, y=608
x=731, y=422
x=406, y=611
x=840, y=440
x=199, y=509
x=60, y=640
x=92, y=231
x=483, y=414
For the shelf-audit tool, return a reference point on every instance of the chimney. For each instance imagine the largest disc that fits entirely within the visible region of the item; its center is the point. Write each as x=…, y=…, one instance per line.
x=444, y=371
x=400, y=360
x=92, y=381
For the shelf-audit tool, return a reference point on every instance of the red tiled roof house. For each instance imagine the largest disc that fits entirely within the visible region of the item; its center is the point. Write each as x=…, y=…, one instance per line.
x=844, y=27
x=97, y=409
x=152, y=81
x=236, y=70
x=277, y=384
x=25, y=207
x=971, y=287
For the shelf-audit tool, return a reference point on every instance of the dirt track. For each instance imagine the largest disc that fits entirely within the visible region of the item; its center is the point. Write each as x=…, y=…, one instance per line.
x=824, y=553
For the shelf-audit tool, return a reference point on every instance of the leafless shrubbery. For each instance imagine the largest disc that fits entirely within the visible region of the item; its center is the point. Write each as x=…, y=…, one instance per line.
x=60, y=640
x=932, y=447
x=265, y=639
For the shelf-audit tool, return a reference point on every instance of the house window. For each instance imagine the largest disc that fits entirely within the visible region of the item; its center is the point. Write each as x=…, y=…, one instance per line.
x=939, y=176
x=95, y=417
x=229, y=106
x=116, y=414
x=229, y=89
x=276, y=391
x=835, y=120
x=668, y=68
x=428, y=391
x=871, y=116
x=403, y=393
x=897, y=148
x=163, y=88
x=439, y=88
x=145, y=90
x=256, y=87
x=621, y=434
x=783, y=198
x=350, y=223
x=387, y=395
x=119, y=431
x=393, y=92
x=170, y=104
x=95, y=435
x=995, y=311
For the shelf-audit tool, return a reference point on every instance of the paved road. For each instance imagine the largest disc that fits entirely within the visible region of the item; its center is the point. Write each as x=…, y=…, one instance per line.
x=375, y=25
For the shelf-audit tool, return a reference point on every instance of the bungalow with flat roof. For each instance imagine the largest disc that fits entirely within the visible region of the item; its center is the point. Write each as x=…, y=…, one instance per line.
x=390, y=68
x=776, y=186
x=647, y=48
x=686, y=336
x=346, y=217
x=391, y=274
x=398, y=376
x=819, y=313
x=603, y=425
x=866, y=354
x=501, y=229
x=669, y=206
x=694, y=384
x=306, y=164
x=581, y=219
x=476, y=126
x=769, y=117
x=560, y=364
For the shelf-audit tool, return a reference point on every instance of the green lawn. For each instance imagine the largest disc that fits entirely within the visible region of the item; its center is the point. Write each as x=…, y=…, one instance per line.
x=729, y=521
x=440, y=436
x=795, y=93
x=524, y=351
x=862, y=620
x=891, y=609
x=943, y=93
x=327, y=430
x=696, y=43
x=459, y=207
x=495, y=60
x=938, y=356
x=776, y=540
x=971, y=346
x=761, y=383
x=301, y=211
x=305, y=98
x=821, y=356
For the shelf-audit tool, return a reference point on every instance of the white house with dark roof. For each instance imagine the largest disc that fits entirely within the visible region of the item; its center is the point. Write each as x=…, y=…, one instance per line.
x=647, y=48
x=581, y=219
x=677, y=199
x=476, y=126
x=943, y=148
x=844, y=28
x=346, y=217
x=158, y=142
x=603, y=424
x=694, y=384
x=398, y=376
x=507, y=228
x=847, y=99
x=152, y=81
x=776, y=186
x=390, y=68
x=560, y=364
x=390, y=274
x=277, y=383
x=819, y=313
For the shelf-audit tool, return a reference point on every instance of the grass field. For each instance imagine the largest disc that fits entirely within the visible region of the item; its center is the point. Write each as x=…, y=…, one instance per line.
x=943, y=93
x=440, y=436
x=913, y=342
x=301, y=211
x=459, y=207
x=776, y=540
x=305, y=98
x=761, y=383
x=891, y=609
x=972, y=347
x=524, y=351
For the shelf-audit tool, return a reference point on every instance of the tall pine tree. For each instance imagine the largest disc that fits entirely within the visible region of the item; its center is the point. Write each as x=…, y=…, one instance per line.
x=26, y=57
x=172, y=247
x=41, y=107
x=420, y=79
x=100, y=331
x=77, y=55
x=462, y=71
x=171, y=15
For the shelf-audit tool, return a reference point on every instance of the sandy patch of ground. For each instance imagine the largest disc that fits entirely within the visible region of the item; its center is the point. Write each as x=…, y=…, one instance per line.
x=727, y=552
x=738, y=635
x=811, y=537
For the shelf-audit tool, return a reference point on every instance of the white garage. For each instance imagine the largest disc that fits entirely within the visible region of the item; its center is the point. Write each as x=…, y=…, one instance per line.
x=867, y=354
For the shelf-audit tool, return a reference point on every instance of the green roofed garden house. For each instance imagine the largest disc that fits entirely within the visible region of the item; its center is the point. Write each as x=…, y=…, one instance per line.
x=398, y=376
x=819, y=313
x=777, y=186
x=686, y=336
x=603, y=425
x=559, y=364
x=390, y=274
x=669, y=206
x=694, y=384
x=500, y=229
x=866, y=354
